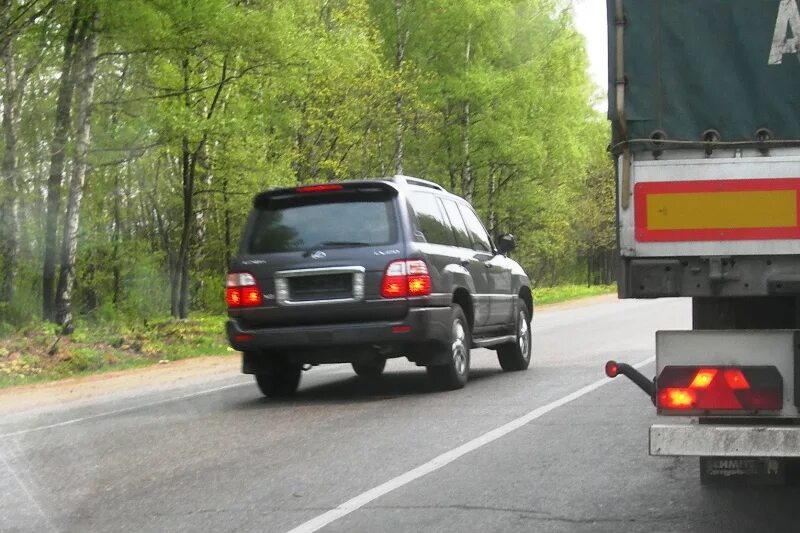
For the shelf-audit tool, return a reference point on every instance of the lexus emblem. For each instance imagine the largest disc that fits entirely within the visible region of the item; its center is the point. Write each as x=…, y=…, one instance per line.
x=319, y=254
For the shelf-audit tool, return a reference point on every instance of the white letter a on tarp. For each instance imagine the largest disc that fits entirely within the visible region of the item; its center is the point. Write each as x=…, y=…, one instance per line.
x=786, y=39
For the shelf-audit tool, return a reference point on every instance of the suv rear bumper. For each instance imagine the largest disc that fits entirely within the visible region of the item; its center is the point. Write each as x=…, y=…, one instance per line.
x=424, y=326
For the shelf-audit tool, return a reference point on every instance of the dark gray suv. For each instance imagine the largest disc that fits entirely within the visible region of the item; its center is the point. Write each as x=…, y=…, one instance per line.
x=361, y=271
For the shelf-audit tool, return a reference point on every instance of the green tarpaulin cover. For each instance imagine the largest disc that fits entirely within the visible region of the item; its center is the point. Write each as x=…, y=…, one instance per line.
x=694, y=65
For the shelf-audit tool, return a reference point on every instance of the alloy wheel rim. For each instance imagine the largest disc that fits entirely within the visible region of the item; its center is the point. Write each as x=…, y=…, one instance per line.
x=459, y=350
x=524, y=336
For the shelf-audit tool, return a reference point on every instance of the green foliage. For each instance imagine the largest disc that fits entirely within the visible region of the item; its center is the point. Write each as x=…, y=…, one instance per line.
x=563, y=293
x=495, y=102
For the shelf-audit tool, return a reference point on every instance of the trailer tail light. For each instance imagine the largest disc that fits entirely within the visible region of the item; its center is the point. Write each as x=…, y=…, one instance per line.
x=242, y=290
x=403, y=278
x=690, y=389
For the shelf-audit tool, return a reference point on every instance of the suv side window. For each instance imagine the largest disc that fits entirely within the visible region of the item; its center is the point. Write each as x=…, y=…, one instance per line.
x=480, y=239
x=459, y=228
x=430, y=221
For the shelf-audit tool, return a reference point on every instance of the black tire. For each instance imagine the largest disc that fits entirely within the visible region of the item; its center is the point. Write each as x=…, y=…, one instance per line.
x=455, y=373
x=370, y=369
x=281, y=381
x=515, y=356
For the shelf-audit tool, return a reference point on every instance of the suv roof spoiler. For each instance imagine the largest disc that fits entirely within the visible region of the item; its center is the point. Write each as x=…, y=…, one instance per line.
x=408, y=180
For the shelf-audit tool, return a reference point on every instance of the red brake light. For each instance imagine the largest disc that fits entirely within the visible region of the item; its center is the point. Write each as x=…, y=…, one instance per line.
x=703, y=389
x=233, y=297
x=242, y=290
x=406, y=278
x=320, y=188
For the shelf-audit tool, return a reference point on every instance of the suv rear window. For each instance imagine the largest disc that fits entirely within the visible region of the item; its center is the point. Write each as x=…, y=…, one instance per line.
x=323, y=221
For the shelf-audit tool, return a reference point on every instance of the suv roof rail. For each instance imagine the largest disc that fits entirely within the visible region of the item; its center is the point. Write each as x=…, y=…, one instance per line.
x=399, y=178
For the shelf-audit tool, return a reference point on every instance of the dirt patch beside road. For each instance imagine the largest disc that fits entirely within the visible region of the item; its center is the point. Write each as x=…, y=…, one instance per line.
x=71, y=390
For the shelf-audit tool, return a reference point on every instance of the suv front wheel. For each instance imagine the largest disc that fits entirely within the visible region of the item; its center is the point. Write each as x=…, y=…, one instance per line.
x=454, y=374
x=517, y=355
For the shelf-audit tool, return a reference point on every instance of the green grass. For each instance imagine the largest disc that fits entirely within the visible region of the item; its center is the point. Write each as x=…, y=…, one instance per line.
x=563, y=293
x=104, y=346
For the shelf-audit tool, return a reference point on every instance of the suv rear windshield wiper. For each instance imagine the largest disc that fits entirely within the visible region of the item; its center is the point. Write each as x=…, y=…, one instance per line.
x=344, y=243
x=330, y=244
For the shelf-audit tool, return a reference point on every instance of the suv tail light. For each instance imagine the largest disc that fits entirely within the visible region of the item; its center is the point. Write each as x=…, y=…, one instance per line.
x=719, y=388
x=407, y=277
x=242, y=290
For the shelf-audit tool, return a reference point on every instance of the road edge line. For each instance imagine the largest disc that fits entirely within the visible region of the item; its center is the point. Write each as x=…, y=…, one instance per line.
x=118, y=411
x=353, y=504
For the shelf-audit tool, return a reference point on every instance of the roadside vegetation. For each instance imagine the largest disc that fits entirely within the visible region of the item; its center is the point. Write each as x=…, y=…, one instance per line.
x=39, y=352
x=135, y=134
x=563, y=293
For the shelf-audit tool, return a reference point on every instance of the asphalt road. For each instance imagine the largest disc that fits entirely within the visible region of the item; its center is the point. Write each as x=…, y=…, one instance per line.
x=556, y=448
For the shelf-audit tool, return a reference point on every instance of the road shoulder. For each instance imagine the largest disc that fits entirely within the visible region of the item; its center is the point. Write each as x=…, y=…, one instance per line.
x=70, y=391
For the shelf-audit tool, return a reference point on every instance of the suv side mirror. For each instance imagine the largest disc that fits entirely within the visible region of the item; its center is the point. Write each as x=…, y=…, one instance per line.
x=506, y=243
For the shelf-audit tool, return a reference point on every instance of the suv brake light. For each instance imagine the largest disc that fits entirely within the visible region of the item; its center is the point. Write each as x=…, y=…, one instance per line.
x=407, y=277
x=720, y=388
x=242, y=290
x=325, y=187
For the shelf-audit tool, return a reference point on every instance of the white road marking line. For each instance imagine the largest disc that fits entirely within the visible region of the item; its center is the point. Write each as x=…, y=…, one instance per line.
x=119, y=411
x=142, y=406
x=344, y=509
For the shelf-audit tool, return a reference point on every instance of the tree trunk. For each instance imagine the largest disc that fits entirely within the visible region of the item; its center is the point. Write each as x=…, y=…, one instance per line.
x=9, y=222
x=182, y=270
x=116, y=237
x=57, y=156
x=467, y=178
x=226, y=221
x=399, y=103
x=492, y=201
x=69, y=247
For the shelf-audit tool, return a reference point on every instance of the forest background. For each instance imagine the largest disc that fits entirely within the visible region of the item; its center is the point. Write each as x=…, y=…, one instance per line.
x=136, y=132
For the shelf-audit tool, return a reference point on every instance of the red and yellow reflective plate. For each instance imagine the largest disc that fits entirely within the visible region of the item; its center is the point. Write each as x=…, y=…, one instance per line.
x=717, y=210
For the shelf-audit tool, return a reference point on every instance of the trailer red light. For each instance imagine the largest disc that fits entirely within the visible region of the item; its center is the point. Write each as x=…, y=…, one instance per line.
x=612, y=370
x=719, y=389
x=320, y=188
x=677, y=398
x=736, y=380
x=703, y=378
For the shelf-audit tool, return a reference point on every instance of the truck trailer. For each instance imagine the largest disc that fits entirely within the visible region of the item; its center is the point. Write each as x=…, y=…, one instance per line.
x=704, y=104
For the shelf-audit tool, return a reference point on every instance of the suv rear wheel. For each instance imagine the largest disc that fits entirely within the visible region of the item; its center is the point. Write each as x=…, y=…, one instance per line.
x=370, y=369
x=454, y=374
x=281, y=381
x=517, y=355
